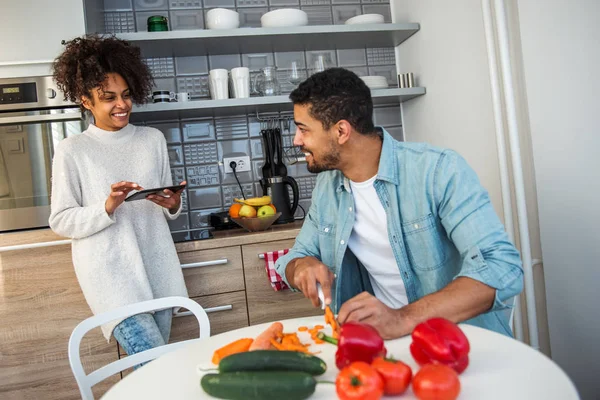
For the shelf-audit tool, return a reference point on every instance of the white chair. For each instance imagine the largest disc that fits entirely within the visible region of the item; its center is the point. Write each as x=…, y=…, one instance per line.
x=86, y=382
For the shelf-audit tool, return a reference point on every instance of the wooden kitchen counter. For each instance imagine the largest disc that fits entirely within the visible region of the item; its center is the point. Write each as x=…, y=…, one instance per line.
x=233, y=237
x=237, y=237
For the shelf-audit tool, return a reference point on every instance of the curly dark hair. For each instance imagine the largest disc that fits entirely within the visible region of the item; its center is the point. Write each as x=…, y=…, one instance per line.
x=86, y=61
x=337, y=94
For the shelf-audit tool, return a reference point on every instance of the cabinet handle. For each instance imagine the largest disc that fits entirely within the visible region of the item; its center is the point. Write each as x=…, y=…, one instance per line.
x=208, y=310
x=34, y=245
x=205, y=263
x=261, y=256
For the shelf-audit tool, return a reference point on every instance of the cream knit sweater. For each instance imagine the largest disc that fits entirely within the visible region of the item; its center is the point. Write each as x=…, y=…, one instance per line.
x=127, y=257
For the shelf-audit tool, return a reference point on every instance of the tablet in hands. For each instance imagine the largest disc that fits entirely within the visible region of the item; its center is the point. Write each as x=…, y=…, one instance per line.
x=142, y=194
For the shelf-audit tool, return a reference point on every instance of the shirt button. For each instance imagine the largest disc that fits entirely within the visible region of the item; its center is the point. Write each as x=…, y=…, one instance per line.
x=326, y=230
x=394, y=237
x=350, y=208
x=416, y=226
x=341, y=242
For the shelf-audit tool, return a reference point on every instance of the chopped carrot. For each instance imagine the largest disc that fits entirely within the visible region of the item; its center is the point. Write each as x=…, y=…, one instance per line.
x=290, y=338
x=330, y=320
x=313, y=333
x=239, y=346
x=296, y=347
x=263, y=341
x=303, y=328
x=277, y=345
x=289, y=342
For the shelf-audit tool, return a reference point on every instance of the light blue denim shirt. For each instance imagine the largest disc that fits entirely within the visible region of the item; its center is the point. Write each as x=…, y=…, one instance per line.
x=441, y=226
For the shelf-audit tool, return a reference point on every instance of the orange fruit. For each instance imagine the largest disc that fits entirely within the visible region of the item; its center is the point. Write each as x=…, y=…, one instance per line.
x=234, y=210
x=273, y=207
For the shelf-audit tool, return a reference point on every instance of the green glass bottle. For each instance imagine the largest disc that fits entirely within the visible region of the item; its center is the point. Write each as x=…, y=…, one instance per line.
x=157, y=23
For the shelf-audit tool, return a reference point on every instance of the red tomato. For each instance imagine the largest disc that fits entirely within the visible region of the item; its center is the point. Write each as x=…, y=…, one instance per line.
x=396, y=375
x=359, y=381
x=436, y=382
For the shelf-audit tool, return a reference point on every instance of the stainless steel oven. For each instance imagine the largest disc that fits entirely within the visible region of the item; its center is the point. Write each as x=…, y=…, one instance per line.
x=34, y=118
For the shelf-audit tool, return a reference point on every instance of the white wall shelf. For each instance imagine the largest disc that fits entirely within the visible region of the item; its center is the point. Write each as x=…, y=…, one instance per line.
x=227, y=107
x=259, y=40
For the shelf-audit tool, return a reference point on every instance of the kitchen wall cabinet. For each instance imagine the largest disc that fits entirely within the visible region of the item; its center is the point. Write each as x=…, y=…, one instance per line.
x=41, y=303
x=32, y=31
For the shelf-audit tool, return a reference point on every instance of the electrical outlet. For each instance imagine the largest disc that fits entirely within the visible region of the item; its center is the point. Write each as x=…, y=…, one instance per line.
x=243, y=164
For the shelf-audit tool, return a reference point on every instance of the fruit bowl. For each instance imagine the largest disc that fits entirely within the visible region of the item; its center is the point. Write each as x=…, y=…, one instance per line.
x=257, y=224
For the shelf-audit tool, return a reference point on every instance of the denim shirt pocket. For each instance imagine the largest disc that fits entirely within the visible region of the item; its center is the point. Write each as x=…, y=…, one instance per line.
x=326, y=229
x=424, y=244
x=326, y=236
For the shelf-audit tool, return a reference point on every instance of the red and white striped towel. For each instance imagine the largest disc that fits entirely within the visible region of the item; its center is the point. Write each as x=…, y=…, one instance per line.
x=275, y=279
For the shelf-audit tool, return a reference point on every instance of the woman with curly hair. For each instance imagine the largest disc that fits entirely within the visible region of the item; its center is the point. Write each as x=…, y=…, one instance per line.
x=123, y=253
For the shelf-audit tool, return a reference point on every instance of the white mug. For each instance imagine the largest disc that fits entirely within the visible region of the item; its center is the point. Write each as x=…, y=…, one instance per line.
x=218, y=84
x=183, y=96
x=240, y=82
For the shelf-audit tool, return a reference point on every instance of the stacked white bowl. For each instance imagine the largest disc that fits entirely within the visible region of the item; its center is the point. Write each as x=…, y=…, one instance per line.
x=366, y=19
x=375, y=81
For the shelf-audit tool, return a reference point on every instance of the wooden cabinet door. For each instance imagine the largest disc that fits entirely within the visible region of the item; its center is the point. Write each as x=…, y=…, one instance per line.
x=212, y=271
x=226, y=312
x=264, y=303
x=40, y=305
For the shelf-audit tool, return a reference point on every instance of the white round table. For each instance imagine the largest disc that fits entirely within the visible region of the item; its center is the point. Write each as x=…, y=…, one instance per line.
x=500, y=368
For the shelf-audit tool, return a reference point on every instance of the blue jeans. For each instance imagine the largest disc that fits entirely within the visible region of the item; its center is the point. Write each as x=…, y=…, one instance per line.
x=144, y=331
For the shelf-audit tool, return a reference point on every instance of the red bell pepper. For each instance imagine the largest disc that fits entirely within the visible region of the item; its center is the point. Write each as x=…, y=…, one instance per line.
x=439, y=341
x=357, y=342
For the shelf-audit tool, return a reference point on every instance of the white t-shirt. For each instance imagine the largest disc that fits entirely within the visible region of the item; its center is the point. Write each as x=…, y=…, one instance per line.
x=370, y=243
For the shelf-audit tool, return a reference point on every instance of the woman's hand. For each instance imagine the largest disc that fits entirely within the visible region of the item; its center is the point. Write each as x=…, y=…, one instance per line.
x=171, y=200
x=118, y=193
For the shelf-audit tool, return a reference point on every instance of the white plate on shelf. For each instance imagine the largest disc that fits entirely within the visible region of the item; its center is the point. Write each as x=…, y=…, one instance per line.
x=374, y=78
x=366, y=19
x=377, y=86
x=375, y=82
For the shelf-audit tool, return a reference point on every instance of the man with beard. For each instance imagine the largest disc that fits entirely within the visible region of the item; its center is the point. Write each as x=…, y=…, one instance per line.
x=397, y=232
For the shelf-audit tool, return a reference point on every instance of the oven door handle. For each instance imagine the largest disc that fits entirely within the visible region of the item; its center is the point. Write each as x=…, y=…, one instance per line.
x=34, y=119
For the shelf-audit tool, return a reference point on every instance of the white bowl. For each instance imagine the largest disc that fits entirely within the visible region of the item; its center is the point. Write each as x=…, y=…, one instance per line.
x=284, y=17
x=366, y=19
x=222, y=18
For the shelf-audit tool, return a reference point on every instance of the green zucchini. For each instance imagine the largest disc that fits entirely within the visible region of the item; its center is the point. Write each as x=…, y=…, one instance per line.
x=273, y=360
x=259, y=385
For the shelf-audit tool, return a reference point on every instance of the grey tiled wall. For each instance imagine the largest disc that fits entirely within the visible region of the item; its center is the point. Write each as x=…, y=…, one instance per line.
x=197, y=146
